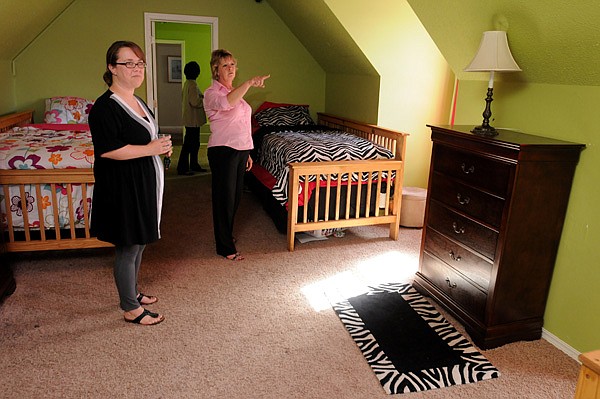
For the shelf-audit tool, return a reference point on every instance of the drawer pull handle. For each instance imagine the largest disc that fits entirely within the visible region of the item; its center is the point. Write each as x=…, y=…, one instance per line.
x=461, y=200
x=454, y=257
x=457, y=230
x=468, y=170
x=450, y=284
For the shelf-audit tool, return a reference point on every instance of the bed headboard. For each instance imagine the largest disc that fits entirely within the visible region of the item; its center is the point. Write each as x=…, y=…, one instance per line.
x=392, y=140
x=9, y=121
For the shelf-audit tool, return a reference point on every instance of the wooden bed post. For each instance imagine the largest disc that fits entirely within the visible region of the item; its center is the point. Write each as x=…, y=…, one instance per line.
x=292, y=209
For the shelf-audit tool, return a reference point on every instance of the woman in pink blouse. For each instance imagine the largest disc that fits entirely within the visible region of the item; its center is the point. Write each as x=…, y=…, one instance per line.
x=229, y=145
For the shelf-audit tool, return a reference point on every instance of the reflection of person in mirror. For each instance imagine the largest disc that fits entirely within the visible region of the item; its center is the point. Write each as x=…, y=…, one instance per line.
x=193, y=118
x=229, y=145
x=129, y=176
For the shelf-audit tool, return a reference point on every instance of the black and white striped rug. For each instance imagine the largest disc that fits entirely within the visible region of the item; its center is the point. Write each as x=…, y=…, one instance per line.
x=409, y=345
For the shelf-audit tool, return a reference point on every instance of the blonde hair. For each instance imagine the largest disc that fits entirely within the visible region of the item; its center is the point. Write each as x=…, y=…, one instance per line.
x=215, y=58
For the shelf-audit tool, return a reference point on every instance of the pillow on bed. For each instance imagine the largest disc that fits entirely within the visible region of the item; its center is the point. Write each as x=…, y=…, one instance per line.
x=273, y=114
x=67, y=110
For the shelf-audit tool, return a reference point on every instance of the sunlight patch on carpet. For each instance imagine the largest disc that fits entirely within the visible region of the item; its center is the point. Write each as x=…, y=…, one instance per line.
x=391, y=266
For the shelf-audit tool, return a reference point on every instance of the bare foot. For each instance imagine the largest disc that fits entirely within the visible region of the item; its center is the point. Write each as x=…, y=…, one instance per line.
x=235, y=256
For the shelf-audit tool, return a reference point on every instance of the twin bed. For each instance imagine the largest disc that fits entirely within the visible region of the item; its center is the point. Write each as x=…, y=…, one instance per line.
x=335, y=173
x=46, y=178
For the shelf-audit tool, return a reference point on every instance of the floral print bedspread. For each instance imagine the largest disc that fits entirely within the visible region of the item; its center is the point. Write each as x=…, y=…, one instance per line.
x=30, y=148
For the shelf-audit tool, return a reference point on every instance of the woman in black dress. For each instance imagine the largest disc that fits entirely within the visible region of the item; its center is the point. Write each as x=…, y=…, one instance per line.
x=128, y=173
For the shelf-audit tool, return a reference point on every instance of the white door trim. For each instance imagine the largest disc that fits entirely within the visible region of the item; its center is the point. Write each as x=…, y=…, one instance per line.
x=149, y=20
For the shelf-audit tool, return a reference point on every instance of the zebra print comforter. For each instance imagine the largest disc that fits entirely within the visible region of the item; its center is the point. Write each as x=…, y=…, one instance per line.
x=277, y=147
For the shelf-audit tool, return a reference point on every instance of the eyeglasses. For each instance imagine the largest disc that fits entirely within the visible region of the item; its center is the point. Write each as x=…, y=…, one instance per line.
x=131, y=64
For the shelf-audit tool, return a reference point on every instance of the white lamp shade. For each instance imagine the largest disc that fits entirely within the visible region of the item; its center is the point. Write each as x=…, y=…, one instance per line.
x=493, y=54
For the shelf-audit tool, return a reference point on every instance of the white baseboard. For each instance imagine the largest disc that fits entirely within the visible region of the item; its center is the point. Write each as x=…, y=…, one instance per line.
x=560, y=344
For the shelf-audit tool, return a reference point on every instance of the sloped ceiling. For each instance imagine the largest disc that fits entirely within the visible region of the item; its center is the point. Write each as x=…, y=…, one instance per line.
x=554, y=42
x=313, y=23
x=318, y=29
x=23, y=20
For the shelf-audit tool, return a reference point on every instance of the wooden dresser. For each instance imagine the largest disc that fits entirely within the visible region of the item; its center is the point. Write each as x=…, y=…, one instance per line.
x=493, y=220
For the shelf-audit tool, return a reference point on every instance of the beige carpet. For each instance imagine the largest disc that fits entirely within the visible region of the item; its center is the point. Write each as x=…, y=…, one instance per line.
x=259, y=328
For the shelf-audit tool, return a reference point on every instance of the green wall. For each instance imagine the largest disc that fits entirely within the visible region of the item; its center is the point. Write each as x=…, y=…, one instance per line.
x=197, y=46
x=68, y=57
x=567, y=113
x=7, y=95
x=353, y=96
x=415, y=81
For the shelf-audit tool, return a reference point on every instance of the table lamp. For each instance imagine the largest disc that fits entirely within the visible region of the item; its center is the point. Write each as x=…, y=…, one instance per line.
x=493, y=56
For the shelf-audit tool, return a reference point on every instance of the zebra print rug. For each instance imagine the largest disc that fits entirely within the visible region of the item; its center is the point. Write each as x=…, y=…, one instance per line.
x=409, y=345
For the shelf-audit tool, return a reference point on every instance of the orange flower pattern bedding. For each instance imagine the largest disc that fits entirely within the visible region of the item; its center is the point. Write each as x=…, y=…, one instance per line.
x=30, y=148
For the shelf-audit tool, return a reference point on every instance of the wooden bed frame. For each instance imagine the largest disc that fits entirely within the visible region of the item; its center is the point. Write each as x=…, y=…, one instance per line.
x=43, y=239
x=389, y=214
x=301, y=171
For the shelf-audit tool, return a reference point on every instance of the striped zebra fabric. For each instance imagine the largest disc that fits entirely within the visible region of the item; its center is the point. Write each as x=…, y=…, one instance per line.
x=312, y=144
x=409, y=345
x=289, y=115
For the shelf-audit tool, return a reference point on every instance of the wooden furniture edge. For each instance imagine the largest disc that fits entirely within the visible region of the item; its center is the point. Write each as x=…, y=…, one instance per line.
x=64, y=240
x=9, y=121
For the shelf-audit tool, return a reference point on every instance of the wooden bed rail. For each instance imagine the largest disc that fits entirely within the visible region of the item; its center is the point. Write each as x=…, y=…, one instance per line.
x=301, y=173
x=46, y=238
x=390, y=139
x=7, y=122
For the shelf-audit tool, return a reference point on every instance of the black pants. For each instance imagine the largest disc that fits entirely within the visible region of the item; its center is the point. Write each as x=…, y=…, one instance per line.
x=228, y=167
x=188, y=158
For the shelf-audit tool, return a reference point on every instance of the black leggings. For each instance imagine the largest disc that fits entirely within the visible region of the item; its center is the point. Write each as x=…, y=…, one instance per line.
x=127, y=266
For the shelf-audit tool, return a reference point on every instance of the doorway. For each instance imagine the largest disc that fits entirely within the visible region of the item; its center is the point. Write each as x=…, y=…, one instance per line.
x=191, y=28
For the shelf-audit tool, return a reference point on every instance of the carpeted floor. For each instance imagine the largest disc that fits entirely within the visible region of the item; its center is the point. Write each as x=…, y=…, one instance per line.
x=261, y=328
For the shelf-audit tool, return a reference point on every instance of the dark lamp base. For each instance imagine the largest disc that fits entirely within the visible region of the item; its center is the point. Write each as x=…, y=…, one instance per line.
x=484, y=131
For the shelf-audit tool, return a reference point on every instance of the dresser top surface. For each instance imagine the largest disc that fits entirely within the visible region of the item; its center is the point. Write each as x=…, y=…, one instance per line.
x=506, y=137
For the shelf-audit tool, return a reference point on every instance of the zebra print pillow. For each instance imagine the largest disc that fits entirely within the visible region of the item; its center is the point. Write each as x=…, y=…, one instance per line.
x=289, y=115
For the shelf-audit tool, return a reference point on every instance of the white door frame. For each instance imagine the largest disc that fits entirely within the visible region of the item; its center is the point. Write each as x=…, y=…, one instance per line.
x=149, y=20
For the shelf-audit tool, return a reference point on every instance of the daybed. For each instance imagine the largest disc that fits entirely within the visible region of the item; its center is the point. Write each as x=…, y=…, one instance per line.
x=46, y=179
x=358, y=168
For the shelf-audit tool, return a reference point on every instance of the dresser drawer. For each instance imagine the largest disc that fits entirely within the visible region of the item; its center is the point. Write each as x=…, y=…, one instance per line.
x=465, y=262
x=475, y=170
x=465, y=294
x=478, y=204
x=472, y=234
